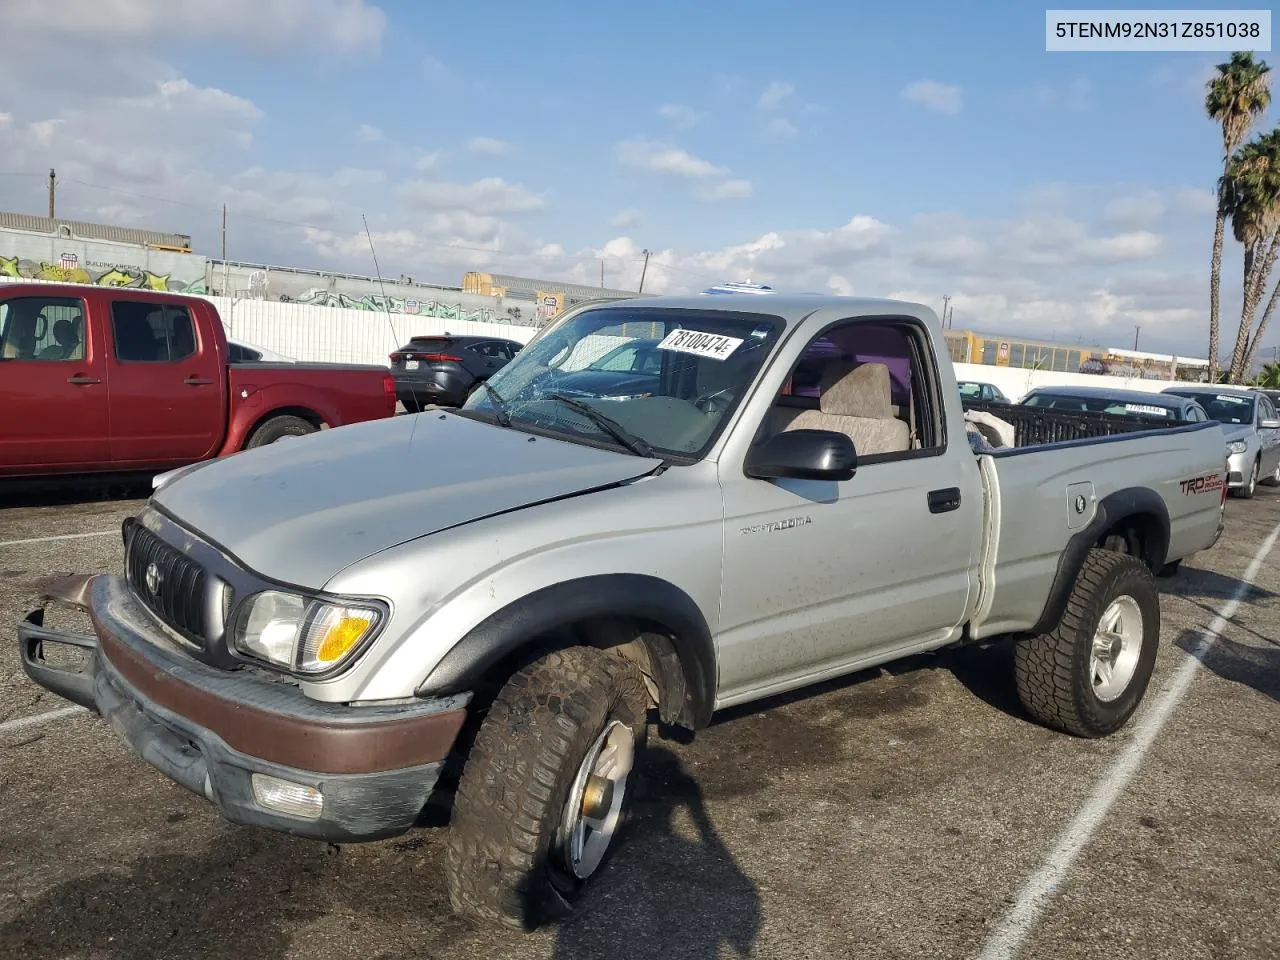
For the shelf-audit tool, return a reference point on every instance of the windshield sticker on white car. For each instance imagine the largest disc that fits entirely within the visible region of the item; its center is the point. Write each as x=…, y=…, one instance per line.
x=700, y=344
x=1150, y=411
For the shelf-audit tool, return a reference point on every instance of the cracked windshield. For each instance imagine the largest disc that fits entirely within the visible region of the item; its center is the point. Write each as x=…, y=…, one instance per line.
x=655, y=382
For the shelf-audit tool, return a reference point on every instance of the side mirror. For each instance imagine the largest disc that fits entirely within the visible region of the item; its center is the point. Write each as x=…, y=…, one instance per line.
x=804, y=455
x=1270, y=425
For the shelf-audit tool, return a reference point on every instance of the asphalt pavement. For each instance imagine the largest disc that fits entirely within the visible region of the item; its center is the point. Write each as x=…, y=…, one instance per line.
x=912, y=812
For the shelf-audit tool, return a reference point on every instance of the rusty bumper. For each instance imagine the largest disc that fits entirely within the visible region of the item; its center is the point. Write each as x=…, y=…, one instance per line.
x=222, y=734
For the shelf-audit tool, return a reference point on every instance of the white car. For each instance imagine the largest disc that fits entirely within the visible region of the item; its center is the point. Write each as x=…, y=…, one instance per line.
x=244, y=353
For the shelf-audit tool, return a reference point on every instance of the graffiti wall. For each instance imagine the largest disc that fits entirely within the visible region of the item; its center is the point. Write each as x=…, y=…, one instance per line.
x=316, y=288
x=25, y=256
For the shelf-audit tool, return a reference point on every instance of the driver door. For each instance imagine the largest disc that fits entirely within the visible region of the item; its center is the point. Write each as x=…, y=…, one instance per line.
x=819, y=576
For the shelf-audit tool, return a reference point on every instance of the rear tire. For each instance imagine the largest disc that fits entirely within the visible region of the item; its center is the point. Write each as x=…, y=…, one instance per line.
x=277, y=428
x=1087, y=676
x=509, y=854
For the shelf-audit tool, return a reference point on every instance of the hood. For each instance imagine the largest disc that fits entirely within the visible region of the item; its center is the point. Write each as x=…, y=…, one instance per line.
x=303, y=509
x=1236, y=431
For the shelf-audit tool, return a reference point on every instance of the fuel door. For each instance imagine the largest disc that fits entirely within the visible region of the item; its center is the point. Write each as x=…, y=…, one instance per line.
x=1081, y=504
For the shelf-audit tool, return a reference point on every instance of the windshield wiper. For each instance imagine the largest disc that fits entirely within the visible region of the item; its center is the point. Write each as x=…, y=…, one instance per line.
x=609, y=426
x=500, y=408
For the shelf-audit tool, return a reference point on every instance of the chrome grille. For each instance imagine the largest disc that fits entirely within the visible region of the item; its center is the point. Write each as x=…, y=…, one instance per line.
x=175, y=590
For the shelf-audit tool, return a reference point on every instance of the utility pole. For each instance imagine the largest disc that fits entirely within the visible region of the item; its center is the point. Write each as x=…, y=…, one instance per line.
x=643, y=270
x=53, y=191
x=1136, y=329
x=224, y=231
x=945, y=301
x=602, y=273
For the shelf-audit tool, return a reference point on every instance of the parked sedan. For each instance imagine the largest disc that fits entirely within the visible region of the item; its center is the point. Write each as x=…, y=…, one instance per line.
x=1252, y=430
x=984, y=392
x=625, y=372
x=444, y=369
x=1117, y=402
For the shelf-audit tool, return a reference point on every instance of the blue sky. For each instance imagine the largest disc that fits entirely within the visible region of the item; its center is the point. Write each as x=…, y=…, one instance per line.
x=909, y=149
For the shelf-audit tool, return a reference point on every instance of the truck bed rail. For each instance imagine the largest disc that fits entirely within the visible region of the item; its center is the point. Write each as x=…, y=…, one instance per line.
x=1034, y=426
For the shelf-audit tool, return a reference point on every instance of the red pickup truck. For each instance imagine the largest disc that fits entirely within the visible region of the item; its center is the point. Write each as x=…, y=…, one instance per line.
x=105, y=380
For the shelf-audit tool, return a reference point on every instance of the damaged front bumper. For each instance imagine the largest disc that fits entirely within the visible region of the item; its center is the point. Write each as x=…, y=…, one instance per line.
x=261, y=751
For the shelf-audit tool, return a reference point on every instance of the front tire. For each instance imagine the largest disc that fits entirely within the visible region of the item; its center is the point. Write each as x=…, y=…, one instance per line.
x=1250, y=487
x=1088, y=675
x=546, y=788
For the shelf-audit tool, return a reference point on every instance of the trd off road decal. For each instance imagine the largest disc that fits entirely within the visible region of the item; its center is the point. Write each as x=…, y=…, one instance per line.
x=1209, y=484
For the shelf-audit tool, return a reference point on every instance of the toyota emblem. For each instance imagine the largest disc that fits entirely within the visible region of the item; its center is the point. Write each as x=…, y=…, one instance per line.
x=153, y=578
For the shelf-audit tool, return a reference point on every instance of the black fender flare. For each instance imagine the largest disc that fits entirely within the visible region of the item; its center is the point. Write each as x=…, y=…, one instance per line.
x=573, y=601
x=1112, y=509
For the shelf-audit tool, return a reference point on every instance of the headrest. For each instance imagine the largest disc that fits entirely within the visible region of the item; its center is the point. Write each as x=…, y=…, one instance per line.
x=862, y=391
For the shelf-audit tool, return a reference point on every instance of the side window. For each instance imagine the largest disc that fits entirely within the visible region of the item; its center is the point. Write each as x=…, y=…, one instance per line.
x=152, y=332
x=1268, y=410
x=874, y=381
x=42, y=328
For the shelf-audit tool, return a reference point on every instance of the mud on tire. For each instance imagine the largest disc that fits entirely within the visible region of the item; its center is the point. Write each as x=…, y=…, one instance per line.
x=1055, y=673
x=505, y=861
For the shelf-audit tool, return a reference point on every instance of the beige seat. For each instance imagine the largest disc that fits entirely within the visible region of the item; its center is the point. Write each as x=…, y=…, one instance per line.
x=858, y=402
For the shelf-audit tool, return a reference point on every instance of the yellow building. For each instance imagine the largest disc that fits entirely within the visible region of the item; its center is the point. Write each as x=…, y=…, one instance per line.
x=965, y=346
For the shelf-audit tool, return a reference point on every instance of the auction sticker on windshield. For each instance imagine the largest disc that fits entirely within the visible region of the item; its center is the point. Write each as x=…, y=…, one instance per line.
x=700, y=344
x=1143, y=408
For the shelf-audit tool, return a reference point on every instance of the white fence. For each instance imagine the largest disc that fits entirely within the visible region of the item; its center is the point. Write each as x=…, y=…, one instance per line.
x=337, y=335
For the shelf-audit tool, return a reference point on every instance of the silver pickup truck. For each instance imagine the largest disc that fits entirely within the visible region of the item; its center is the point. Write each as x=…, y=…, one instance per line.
x=487, y=603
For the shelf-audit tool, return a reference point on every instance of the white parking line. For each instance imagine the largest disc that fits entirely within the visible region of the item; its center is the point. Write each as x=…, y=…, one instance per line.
x=40, y=718
x=1017, y=924
x=61, y=536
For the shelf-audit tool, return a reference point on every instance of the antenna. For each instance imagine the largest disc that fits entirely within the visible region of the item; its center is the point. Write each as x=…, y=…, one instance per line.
x=386, y=304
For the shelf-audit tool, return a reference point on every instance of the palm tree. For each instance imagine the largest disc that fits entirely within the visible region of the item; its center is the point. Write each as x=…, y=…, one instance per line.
x=1269, y=378
x=1254, y=178
x=1234, y=98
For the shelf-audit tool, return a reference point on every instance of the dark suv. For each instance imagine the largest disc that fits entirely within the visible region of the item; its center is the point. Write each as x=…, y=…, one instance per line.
x=443, y=369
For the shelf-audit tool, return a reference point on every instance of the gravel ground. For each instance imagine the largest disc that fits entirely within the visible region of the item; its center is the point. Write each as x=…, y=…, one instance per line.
x=899, y=813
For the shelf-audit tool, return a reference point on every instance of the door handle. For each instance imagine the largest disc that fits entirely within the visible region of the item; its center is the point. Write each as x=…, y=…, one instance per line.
x=197, y=381
x=82, y=381
x=942, y=501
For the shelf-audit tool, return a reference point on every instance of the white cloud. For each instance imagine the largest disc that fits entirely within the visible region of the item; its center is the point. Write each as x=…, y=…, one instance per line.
x=681, y=116
x=1136, y=209
x=781, y=127
x=5, y=118
x=774, y=94
x=367, y=133
x=625, y=218
x=940, y=97
x=661, y=158
x=726, y=190
x=428, y=161
x=488, y=146
x=1137, y=245
x=343, y=26
x=1074, y=97
x=489, y=196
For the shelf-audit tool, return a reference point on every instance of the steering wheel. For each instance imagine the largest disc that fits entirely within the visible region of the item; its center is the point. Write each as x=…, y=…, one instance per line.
x=715, y=402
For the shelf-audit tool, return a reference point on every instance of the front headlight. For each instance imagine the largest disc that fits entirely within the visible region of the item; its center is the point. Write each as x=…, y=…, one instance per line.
x=301, y=634
x=1237, y=446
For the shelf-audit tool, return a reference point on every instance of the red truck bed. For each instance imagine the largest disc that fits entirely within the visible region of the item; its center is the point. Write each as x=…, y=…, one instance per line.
x=104, y=380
